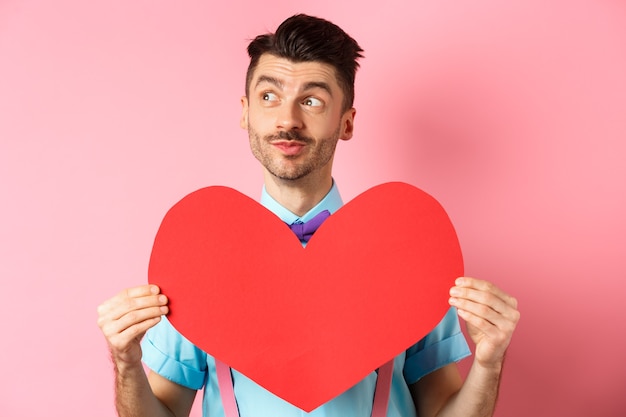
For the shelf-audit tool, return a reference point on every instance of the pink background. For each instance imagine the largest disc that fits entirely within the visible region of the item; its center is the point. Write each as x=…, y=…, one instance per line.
x=512, y=114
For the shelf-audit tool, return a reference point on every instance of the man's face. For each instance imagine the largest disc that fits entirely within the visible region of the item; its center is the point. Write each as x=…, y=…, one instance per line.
x=293, y=114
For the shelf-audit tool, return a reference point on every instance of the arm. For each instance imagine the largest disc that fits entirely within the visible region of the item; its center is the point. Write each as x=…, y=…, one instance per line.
x=491, y=316
x=124, y=319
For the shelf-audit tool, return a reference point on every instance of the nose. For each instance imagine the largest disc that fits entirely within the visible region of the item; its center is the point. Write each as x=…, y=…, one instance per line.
x=289, y=117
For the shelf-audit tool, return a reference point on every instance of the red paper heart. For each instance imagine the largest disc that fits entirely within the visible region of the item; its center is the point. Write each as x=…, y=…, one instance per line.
x=306, y=323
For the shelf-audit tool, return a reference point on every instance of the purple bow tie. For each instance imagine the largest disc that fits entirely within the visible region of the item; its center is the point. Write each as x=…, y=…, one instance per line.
x=305, y=230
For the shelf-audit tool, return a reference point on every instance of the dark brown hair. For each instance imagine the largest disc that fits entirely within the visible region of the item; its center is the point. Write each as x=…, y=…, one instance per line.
x=303, y=38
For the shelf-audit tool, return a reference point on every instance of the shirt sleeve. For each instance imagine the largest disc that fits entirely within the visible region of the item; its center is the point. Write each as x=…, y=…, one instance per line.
x=445, y=344
x=169, y=354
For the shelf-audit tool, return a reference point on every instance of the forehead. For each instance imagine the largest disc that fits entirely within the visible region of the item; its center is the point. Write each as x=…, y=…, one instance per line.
x=293, y=74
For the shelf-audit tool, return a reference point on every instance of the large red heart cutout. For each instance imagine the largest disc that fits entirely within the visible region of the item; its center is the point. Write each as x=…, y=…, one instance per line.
x=306, y=323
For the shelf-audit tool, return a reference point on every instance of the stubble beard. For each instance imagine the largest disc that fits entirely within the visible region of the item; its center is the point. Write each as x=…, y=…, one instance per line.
x=279, y=166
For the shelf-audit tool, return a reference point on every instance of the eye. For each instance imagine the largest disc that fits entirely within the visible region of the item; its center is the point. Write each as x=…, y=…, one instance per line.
x=268, y=96
x=313, y=102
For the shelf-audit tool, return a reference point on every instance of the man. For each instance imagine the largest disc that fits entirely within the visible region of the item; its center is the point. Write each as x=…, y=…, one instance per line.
x=298, y=105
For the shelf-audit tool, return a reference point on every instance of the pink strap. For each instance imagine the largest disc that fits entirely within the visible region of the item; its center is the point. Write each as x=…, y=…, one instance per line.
x=381, y=394
x=383, y=390
x=225, y=383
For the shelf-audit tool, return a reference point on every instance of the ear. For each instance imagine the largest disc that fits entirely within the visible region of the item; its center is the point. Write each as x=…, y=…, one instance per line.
x=243, y=122
x=347, y=124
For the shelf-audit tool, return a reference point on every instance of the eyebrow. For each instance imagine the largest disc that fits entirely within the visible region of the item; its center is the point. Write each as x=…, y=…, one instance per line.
x=270, y=80
x=308, y=86
x=318, y=84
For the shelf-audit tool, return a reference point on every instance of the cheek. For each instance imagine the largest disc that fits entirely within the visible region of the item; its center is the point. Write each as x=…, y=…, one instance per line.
x=259, y=119
x=334, y=126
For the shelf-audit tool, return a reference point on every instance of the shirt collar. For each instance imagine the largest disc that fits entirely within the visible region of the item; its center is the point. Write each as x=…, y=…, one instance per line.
x=331, y=202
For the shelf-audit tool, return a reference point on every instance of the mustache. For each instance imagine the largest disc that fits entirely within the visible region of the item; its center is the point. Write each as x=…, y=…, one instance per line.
x=288, y=135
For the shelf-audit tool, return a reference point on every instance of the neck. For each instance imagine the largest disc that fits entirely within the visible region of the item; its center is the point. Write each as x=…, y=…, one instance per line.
x=298, y=196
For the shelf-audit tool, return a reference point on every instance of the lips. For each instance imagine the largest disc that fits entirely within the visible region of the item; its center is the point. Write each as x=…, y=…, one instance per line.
x=289, y=147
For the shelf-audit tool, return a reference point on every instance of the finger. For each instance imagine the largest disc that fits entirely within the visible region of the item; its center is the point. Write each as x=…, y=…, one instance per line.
x=121, y=341
x=497, y=335
x=140, y=291
x=131, y=299
x=505, y=321
x=486, y=286
x=466, y=297
x=135, y=309
x=111, y=328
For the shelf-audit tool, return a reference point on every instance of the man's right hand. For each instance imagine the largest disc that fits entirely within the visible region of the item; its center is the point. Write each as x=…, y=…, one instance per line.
x=126, y=317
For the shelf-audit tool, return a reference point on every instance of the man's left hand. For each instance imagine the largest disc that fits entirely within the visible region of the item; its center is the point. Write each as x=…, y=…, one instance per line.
x=491, y=316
